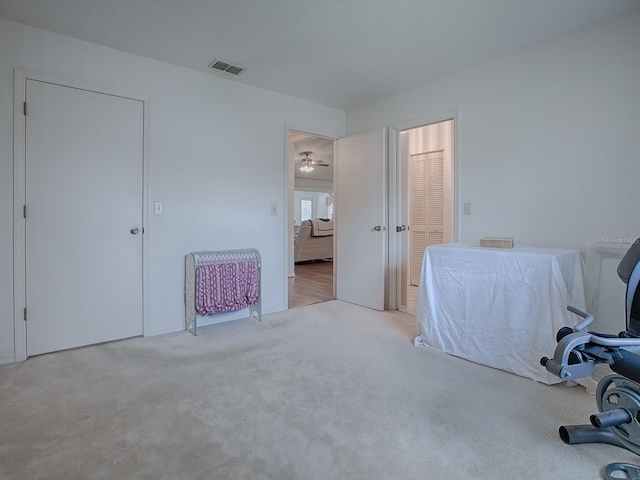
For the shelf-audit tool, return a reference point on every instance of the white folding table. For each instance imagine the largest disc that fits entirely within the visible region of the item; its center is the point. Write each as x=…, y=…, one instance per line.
x=499, y=307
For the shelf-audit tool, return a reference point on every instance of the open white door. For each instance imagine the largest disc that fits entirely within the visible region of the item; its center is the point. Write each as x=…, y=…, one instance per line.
x=361, y=220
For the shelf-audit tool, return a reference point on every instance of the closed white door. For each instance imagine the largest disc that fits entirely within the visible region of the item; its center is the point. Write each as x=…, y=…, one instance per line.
x=83, y=168
x=361, y=219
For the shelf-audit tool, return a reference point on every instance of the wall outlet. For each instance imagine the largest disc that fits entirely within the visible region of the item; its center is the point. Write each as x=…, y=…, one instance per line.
x=467, y=208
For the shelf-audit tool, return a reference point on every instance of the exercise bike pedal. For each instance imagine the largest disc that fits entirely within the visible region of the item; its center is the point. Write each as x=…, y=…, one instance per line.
x=632, y=472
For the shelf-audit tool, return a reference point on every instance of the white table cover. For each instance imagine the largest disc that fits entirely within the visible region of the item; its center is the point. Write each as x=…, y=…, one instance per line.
x=499, y=307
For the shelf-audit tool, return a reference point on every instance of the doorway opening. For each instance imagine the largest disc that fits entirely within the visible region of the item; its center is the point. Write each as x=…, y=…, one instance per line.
x=426, y=201
x=311, y=211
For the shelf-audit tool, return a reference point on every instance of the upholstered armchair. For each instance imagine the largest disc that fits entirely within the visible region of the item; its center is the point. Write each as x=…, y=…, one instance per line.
x=314, y=240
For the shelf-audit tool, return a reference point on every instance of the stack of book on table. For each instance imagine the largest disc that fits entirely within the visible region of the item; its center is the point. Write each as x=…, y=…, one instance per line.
x=497, y=242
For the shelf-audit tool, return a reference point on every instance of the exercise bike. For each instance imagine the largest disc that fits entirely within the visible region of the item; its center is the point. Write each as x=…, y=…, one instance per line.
x=617, y=395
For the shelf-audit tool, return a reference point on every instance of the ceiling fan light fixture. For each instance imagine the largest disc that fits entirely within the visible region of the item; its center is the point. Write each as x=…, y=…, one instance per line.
x=306, y=168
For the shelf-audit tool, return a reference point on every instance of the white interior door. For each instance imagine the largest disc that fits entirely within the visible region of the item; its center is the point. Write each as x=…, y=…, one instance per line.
x=361, y=221
x=83, y=167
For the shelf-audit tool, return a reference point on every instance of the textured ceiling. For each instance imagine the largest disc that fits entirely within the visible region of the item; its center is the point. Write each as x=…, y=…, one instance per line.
x=339, y=53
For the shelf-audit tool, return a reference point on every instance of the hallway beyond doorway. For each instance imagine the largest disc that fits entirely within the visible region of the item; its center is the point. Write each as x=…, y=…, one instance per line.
x=313, y=283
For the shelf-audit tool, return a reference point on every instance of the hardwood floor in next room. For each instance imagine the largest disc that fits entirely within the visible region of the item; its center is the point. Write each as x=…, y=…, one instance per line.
x=313, y=283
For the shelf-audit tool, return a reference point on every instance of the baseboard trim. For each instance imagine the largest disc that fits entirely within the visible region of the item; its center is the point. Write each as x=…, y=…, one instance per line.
x=7, y=358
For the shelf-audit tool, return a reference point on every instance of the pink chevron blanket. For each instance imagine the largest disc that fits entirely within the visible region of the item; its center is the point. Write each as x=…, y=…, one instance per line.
x=224, y=287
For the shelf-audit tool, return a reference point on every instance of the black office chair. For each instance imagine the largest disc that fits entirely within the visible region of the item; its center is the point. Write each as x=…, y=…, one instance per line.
x=617, y=395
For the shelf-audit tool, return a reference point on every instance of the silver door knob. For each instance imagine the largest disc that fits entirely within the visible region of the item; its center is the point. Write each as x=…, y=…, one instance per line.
x=134, y=231
x=378, y=228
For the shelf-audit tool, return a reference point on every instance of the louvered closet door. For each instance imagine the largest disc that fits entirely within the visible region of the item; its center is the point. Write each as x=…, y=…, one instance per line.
x=427, y=207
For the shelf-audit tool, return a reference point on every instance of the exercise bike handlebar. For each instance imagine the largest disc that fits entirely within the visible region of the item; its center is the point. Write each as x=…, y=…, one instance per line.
x=588, y=318
x=560, y=366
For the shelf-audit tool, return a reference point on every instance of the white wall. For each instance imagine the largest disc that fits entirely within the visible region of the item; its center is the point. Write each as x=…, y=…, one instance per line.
x=303, y=184
x=216, y=153
x=548, y=142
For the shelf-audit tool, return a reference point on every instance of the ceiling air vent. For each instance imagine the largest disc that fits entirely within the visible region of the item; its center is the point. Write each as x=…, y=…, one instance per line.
x=225, y=67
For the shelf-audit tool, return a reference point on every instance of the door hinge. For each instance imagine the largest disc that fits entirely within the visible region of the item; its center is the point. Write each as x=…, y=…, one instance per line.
x=24, y=108
x=25, y=314
x=24, y=211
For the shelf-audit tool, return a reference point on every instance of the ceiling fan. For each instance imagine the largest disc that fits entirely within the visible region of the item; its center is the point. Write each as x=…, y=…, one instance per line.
x=307, y=164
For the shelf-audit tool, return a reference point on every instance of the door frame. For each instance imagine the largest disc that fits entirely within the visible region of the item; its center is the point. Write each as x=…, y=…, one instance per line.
x=288, y=204
x=394, y=191
x=20, y=77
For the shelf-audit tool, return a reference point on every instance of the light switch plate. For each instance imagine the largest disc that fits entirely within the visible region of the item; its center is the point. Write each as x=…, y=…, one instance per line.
x=157, y=208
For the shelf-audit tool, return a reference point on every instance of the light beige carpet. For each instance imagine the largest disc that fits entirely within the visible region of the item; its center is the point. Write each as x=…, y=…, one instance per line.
x=328, y=391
